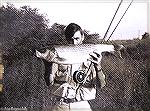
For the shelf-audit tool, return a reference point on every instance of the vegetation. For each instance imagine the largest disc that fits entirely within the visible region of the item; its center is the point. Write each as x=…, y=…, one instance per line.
x=24, y=30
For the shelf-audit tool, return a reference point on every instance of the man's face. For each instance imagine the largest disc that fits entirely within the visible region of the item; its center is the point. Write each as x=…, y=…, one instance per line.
x=77, y=38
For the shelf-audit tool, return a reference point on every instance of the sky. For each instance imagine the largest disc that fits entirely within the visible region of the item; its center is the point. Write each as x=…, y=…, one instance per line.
x=93, y=15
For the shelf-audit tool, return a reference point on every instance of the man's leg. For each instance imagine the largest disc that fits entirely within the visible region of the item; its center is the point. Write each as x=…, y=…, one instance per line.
x=80, y=106
x=61, y=106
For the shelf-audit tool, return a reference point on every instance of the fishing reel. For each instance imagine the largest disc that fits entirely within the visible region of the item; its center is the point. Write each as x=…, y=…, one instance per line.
x=79, y=76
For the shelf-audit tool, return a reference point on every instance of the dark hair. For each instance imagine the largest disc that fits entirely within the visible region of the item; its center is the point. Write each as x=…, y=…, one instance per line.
x=70, y=30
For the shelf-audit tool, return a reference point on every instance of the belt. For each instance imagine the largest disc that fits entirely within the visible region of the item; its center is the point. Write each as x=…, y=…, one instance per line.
x=65, y=100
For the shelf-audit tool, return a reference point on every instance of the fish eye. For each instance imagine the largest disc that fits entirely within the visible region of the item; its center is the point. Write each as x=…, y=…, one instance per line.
x=76, y=38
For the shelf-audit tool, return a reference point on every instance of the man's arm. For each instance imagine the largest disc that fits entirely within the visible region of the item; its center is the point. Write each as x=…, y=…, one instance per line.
x=100, y=76
x=48, y=56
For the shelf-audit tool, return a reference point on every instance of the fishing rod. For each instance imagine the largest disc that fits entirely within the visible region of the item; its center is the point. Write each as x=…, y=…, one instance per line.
x=120, y=20
x=112, y=20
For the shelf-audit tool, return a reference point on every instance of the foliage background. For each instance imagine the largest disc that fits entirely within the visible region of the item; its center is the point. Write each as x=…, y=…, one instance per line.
x=24, y=30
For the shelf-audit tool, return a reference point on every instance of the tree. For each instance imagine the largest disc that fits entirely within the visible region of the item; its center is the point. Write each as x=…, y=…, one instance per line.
x=21, y=30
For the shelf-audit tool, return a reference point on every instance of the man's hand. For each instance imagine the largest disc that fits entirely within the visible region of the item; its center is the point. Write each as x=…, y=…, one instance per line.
x=47, y=55
x=50, y=56
x=95, y=57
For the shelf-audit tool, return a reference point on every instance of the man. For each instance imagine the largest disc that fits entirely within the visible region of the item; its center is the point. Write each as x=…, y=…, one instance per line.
x=73, y=84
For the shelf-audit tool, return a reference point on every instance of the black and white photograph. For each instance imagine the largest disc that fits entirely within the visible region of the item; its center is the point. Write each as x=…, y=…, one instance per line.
x=75, y=55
